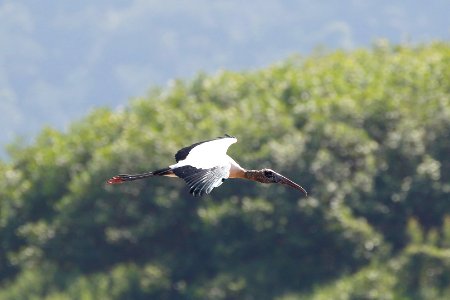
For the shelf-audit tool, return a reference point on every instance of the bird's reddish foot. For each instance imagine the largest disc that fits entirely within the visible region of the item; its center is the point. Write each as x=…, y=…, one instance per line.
x=115, y=180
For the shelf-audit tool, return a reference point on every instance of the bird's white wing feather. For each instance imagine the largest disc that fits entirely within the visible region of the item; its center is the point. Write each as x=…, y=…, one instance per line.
x=208, y=155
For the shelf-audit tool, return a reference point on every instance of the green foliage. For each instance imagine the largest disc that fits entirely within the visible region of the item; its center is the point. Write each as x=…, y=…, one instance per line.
x=367, y=133
x=420, y=271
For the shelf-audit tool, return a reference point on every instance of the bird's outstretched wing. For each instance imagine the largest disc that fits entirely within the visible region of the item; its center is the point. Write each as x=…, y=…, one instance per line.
x=202, y=181
x=204, y=154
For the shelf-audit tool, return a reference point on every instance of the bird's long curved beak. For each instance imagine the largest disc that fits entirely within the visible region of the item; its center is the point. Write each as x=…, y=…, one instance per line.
x=287, y=181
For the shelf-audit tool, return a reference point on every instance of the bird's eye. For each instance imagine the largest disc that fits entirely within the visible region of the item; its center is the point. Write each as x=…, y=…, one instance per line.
x=268, y=174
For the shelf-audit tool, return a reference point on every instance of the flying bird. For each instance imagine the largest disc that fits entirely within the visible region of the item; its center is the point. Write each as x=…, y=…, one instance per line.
x=206, y=165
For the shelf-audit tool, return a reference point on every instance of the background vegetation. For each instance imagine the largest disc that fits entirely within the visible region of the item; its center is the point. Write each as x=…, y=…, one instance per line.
x=367, y=133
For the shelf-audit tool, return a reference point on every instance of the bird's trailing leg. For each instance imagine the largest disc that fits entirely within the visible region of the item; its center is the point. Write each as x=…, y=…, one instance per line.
x=130, y=177
x=127, y=177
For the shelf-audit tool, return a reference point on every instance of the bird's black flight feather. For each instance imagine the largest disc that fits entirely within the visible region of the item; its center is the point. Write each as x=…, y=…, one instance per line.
x=202, y=181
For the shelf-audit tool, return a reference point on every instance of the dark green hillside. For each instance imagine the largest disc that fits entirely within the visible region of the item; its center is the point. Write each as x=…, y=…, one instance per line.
x=367, y=133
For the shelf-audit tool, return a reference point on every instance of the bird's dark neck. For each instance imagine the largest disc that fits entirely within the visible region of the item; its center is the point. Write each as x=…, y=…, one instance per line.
x=255, y=175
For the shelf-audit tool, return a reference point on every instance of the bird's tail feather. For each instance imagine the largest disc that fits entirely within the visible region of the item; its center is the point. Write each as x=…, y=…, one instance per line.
x=130, y=177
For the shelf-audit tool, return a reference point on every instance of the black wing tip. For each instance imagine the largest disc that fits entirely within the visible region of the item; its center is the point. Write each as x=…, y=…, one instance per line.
x=226, y=136
x=199, y=191
x=197, y=194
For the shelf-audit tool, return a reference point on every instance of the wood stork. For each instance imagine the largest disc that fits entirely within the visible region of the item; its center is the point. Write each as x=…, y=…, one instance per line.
x=205, y=165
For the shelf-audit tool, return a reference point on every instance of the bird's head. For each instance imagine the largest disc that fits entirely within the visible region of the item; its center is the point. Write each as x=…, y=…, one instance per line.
x=270, y=176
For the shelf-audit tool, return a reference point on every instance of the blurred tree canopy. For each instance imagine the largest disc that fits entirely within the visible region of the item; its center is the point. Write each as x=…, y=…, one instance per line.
x=366, y=132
